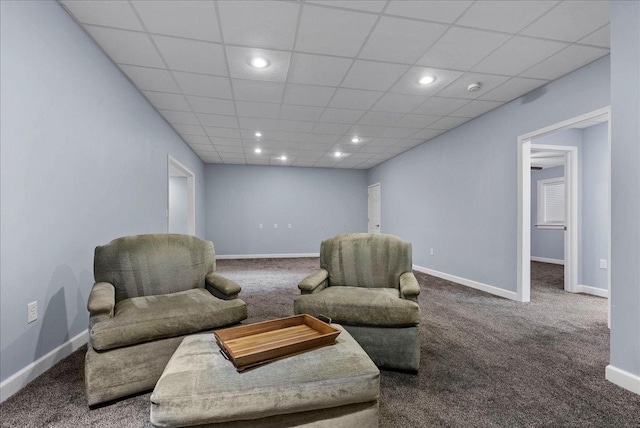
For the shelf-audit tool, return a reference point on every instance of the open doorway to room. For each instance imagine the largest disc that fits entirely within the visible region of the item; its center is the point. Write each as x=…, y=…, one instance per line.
x=564, y=205
x=181, y=212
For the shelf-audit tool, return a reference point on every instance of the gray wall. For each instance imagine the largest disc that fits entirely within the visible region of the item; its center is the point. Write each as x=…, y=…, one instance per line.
x=178, y=205
x=84, y=160
x=595, y=205
x=625, y=182
x=546, y=243
x=319, y=203
x=458, y=192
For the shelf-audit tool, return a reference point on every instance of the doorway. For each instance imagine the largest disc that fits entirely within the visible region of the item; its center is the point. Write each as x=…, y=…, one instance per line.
x=528, y=143
x=181, y=212
x=374, y=208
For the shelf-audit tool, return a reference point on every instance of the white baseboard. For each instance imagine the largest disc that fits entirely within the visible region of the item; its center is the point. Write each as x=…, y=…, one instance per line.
x=623, y=378
x=20, y=379
x=469, y=283
x=266, y=256
x=587, y=289
x=546, y=260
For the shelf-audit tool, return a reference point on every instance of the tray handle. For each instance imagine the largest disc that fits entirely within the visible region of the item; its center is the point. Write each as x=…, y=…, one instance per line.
x=224, y=354
x=324, y=318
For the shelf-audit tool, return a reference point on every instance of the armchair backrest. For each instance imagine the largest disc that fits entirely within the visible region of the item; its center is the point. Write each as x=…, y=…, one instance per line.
x=365, y=260
x=147, y=265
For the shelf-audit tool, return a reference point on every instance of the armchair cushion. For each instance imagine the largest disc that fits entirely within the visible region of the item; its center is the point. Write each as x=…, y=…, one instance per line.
x=380, y=307
x=221, y=287
x=143, y=319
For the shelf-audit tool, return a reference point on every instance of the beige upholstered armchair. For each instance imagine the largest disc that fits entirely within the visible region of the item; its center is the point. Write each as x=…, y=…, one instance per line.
x=150, y=292
x=366, y=283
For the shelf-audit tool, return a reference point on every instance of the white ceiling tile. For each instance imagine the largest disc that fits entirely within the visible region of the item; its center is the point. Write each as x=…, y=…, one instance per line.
x=384, y=142
x=162, y=100
x=409, y=83
x=440, y=11
x=307, y=113
x=366, y=130
x=126, y=47
x=308, y=95
x=261, y=24
x=366, y=5
x=438, y=106
x=412, y=142
x=476, y=108
x=380, y=118
x=512, y=89
x=334, y=32
x=330, y=128
x=179, y=117
x=217, y=141
x=458, y=89
x=222, y=132
x=400, y=40
x=190, y=19
x=257, y=124
x=584, y=16
x=253, y=90
x=188, y=129
x=517, y=55
x=117, y=14
x=355, y=99
x=227, y=150
x=601, y=37
x=423, y=134
x=198, y=140
x=448, y=122
x=376, y=76
x=201, y=85
x=218, y=120
x=507, y=16
x=565, y=61
x=370, y=150
x=211, y=105
x=294, y=126
x=318, y=69
x=462, y=48
x=261, y=110
x=240, y=64
x=339, y=115
x=399, y=132
x=399, y=103
x=150, y=79
x=416, y=121
x=192, y=55
x=324, y=139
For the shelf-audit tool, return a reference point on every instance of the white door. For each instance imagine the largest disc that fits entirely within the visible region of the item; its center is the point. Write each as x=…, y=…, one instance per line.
x=374, y=208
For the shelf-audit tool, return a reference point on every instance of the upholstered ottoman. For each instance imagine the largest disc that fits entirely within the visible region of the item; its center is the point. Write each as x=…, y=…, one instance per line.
x=335, y=386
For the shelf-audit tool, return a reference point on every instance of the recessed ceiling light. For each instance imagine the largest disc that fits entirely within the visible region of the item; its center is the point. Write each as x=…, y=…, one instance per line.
x=283, y=157
x=337, y=154
x=355, y=140
x=258, y=134
x=258, y=62
x=427, y=80
x=258, y=151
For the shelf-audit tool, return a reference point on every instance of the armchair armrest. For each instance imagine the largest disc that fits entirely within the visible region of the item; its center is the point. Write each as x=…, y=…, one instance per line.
x=315, y=282
x=409, y=287
x=102, y=302
x=221, y=287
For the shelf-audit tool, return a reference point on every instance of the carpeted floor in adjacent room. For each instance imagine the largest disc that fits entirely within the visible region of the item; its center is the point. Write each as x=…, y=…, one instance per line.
x=485, y=362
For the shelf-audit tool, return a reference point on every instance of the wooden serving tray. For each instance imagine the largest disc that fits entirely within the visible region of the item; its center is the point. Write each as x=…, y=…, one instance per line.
x=254, y=344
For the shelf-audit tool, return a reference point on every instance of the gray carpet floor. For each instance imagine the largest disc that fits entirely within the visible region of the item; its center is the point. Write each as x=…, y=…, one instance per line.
x=486, y=361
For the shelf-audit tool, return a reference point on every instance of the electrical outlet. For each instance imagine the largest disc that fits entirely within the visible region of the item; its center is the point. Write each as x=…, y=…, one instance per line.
x=32, y=311
x=603, y=263
x=260, y=226
x=431, y=252
x=275, y=225
x=289, y=225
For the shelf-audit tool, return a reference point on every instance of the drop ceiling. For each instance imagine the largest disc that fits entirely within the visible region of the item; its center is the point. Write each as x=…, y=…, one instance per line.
x=337, y=69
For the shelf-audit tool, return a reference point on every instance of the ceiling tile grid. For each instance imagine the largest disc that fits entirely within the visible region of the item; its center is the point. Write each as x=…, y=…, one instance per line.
x=341, y=87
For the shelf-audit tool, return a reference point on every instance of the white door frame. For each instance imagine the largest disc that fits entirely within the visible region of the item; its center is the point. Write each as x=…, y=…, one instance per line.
x=173, y=163
x=524, y=205
x=571, y=210
x=379, y=206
